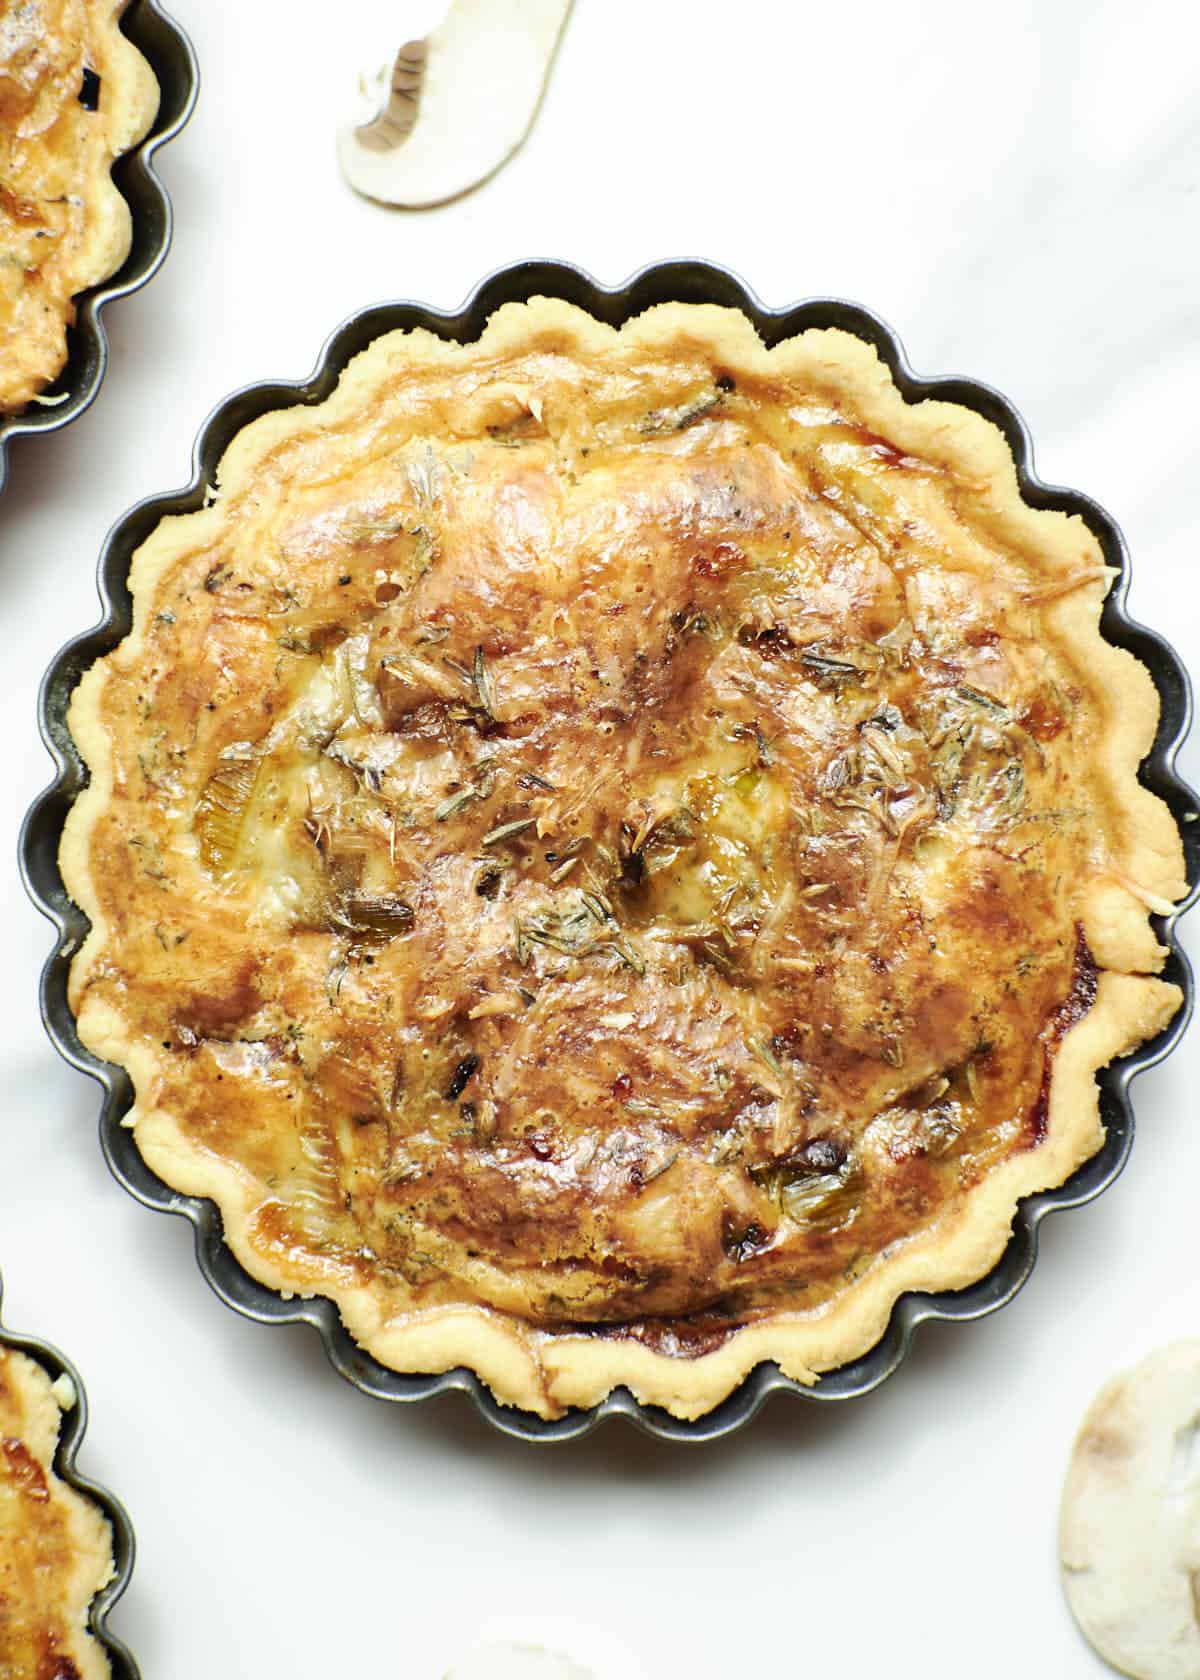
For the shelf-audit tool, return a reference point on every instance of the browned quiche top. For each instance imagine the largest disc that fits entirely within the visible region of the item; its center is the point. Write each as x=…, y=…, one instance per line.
x=74, y=94
x=614, y=831
x=55, y=1547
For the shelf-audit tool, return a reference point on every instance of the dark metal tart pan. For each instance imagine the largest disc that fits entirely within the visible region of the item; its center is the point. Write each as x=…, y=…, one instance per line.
x=169, y=54
x=70, y=1437
x=684, y=281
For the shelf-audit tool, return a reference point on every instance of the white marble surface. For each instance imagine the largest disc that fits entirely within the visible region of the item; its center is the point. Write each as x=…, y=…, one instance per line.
x=1014, y=186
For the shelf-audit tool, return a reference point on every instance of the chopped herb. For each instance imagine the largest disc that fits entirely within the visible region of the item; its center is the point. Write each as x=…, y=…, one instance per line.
x=483, y=687
x=1013, y=797
x=888, y=718
x=594, y=904
x=622, y=949
x=978, y=698
x=832, y=673
x=658, y=1168
x=483, y=1120
x=423, y=478
x=507, y=831
x=548, y=937
x=679, y=419
x=375, y=530
x=372, y=914
x=530, y=778
x=765, y=1054
x=574, y=846
x=455, y=804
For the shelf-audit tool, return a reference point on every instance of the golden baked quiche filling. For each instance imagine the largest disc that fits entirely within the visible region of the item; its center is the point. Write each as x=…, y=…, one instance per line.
x=55, y=1546
x=74, y=95
x=613, y=854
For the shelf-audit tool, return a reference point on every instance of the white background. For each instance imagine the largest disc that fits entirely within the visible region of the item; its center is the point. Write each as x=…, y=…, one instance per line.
x=1014, y=187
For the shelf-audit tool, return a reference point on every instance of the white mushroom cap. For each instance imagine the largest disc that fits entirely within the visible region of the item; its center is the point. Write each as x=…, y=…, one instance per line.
x=517, y=1662
x=449, y=109
x=1129, y=1535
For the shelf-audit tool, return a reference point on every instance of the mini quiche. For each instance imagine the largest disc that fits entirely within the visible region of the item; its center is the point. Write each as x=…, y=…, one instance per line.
x=74, y=95
x=612, y=854
x=55, y=1546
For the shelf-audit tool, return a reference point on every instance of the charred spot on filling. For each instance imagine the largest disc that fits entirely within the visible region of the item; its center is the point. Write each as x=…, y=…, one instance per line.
x=462, y=1076
x=773, y=642
x=818, y=1155
x=23, y=1470
x=633, y=869
x=741, y=1238
x=688, y=1337
x=1043, y=719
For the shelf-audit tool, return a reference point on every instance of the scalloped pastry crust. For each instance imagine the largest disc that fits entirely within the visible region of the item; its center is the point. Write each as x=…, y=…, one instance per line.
x=613, y=854
x=63, y=224
x=55, y=1546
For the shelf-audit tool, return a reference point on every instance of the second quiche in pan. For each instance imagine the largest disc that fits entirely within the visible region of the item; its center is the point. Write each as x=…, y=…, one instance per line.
x=613, y=854
x=74, y=95
x=56, y=1546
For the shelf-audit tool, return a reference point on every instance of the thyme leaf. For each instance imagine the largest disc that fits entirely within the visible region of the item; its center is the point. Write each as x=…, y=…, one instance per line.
x=483, y=686
x=829, y=672
x=507, y=831
x=455, y=804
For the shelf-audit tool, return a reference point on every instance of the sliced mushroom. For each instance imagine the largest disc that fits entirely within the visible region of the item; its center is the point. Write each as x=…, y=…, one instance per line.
x=1129, y=1535
x=450, y=109
x=517, y=1662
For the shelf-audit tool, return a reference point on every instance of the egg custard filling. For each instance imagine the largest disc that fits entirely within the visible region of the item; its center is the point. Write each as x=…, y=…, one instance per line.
x=55, y=1546
x=613, y=854
x=74, y=95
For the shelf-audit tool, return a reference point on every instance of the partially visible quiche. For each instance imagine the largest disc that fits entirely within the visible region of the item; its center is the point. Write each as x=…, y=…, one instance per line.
x=74, y=95
x=612, y=854
x=55, y=1546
